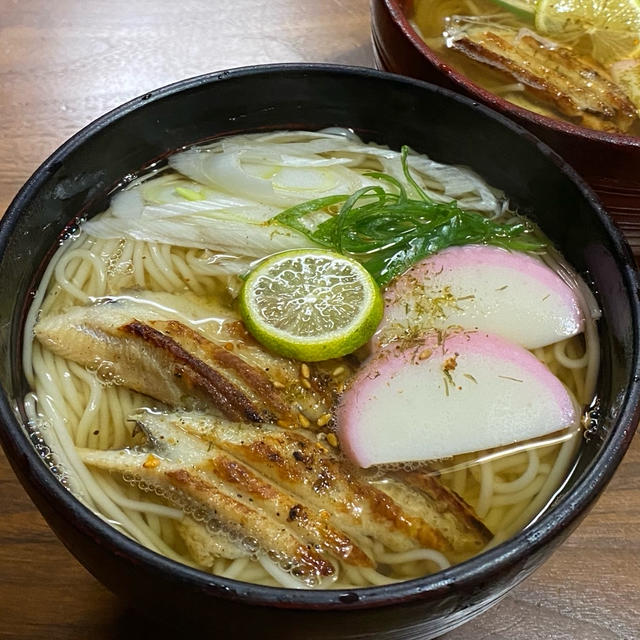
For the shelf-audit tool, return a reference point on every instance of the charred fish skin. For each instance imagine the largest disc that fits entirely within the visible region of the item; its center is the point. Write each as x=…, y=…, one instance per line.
x=448, y=511
x=206, y=544
x=297, y=463
x=173, y=363
x=301, y=559
x=190, y=451
x=196, y=377
x=193, y=461
x=286, y=508
x=302, y=502
x=234, y=366
x=577, y=88
x=311, y=513
x=179, y=483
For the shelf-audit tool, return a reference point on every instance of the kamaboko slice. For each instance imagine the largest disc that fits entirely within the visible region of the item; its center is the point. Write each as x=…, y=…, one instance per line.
x=482, y=288
x=468, y=391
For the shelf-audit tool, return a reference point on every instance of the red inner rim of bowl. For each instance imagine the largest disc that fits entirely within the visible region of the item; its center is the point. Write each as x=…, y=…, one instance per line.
x=399, y=10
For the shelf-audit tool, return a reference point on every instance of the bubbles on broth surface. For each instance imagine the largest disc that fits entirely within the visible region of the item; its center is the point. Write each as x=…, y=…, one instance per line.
x=37, y=428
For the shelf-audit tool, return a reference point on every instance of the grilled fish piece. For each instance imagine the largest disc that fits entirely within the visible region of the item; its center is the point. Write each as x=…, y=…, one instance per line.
x=241, y=520
x=191, y=464
x=327, y=482
x=448, y=512
x=206, y=545
x=302, y=505
x=555, y=75
x=213, y=365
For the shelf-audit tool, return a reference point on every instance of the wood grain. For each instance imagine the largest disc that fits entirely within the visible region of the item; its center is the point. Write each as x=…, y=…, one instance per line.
x=63, y=64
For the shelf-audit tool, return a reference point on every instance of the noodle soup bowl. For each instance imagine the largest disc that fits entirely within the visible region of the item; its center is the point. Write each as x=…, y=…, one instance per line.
x=76, y=181
x=609, y=162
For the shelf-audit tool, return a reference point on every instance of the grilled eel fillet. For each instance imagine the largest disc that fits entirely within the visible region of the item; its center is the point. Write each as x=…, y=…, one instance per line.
x=143, y=347
x=207, y=544
x=575, y=87
x=302, y=503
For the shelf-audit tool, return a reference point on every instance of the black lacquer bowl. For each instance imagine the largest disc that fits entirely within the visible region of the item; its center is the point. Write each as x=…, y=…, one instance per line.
x=386, y=109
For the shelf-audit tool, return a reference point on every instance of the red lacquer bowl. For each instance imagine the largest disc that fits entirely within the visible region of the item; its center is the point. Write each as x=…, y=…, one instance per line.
x=609, y=162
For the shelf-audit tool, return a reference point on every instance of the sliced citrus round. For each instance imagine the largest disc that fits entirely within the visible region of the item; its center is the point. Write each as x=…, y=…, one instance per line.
x=626, y=73
x=608, y=30
x=310, y=304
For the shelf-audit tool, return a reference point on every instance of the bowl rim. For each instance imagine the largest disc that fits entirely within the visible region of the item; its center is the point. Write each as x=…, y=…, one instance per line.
x=395, y=9
x=474, y=571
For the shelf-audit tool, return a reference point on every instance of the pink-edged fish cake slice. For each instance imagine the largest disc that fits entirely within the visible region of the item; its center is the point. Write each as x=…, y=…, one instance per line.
x=468, y=392
x=481, y=287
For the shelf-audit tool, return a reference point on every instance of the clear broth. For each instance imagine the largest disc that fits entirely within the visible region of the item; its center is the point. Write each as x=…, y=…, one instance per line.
x=430, y=18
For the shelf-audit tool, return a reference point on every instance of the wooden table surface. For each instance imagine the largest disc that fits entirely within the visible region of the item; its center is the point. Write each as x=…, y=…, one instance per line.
x=64, y=63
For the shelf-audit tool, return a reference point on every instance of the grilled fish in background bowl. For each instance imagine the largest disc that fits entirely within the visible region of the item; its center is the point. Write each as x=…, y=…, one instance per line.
x=77, y=179
x=609, y=162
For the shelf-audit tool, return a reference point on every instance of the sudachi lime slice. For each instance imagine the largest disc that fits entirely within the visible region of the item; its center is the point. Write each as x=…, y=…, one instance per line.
x=310, y=304
x=608, y=30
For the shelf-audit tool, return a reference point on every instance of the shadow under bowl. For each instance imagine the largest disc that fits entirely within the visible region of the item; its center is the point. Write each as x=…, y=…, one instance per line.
x=609, y=162
x=76, y=181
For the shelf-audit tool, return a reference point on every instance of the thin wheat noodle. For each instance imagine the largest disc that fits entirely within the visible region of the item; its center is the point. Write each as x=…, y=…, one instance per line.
x=76, y=391
x=87, y=421
x=545, y=493
x=187, y=274
x=163, y=264
x=494, y=518
x=117, y=419
x=414, y=555
x=138, y=264
x=73, y=287
x=278, y=574
x=35, y=310
x=48, y=395
x=486, y=489
x=559, y=351
x=531, y=489
x=235, y=568
x=143, y=506
x=500, y=486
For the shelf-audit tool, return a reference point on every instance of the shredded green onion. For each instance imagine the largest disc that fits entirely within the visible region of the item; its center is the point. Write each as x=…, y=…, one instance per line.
x=388, y=231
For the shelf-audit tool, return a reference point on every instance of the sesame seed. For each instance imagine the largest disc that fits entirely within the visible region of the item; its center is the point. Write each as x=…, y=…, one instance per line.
x=324, y=419
x=304, y=421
